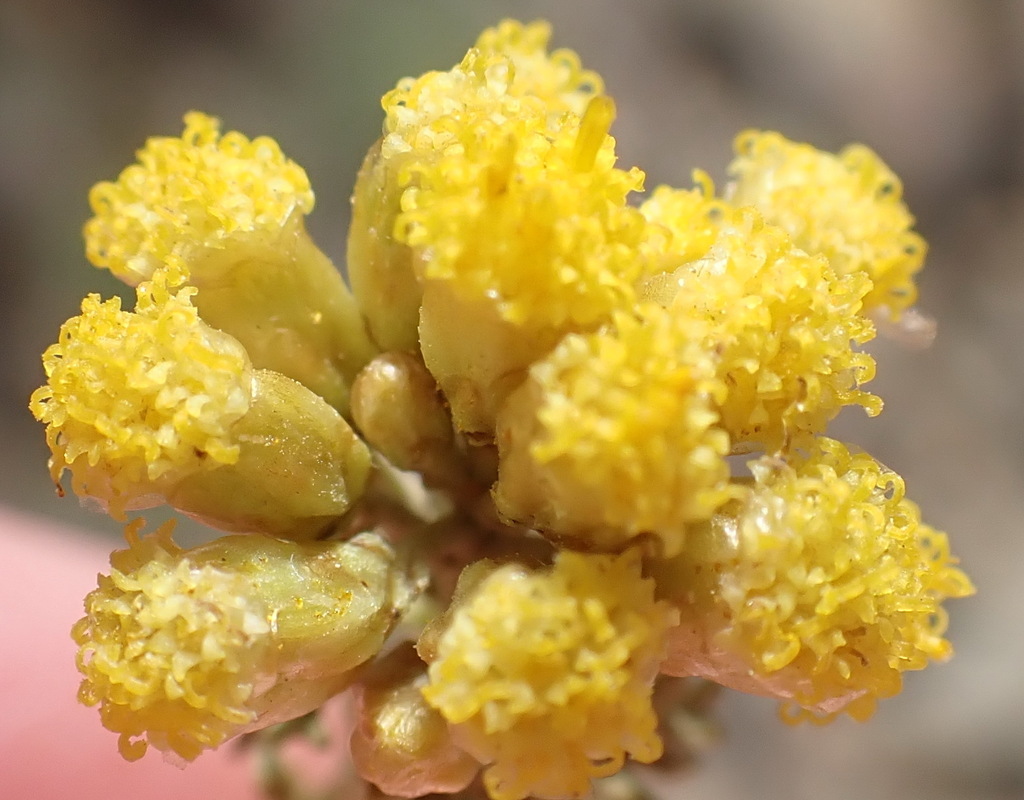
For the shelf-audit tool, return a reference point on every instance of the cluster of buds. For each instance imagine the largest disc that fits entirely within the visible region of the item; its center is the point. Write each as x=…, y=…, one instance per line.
x=494, y=487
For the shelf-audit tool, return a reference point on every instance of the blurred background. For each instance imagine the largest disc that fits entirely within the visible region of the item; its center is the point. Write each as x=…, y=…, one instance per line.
x=935, y=86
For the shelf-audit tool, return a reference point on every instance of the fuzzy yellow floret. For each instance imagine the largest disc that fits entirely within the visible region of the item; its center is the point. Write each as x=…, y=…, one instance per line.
x=782, y=326
x=502, y=169
x=509, y=65
x=518, y=224
x=847, y=206
x=171, y=650
x=822, y=587
x=501, y=103
x=547, y=676
x=614, y=435
x=192, y=193
x=528, y=213
x=134, y=396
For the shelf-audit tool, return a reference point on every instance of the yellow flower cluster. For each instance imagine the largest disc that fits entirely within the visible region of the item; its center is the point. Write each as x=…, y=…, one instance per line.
x=614, y=434
x=823, y=578
x=171, y=651
x=135, y=399
x=846, y=206
x=155, y=406
x=513, y=211
x=509, y=447
x=547, y=673
x=189, y=194
x=509, y=72
x=184, y=649
x=523, y=186
x=228, y=212
x=781, y=324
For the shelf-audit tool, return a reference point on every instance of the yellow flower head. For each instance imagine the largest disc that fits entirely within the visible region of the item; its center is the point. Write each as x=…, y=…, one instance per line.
x=846, y=206
x=134, y=397
x=431, y=118
x=512, y=187
x=171, y=650
x=517, y=220
x=509, y=64
x=614, y=435
x=192, y=194
x=185, y=649
x=821, y=587
x=528, y=213
x=781, y=324
x=547, y=675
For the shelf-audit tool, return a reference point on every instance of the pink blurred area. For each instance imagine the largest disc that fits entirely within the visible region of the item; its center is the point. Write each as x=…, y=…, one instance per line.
x=50, y=746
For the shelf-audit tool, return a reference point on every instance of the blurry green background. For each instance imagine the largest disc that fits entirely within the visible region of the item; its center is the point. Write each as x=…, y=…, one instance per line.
x=935, y=86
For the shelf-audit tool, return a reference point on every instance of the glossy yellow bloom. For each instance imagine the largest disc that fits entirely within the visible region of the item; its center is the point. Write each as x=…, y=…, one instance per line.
x=781, y=325
x=821, y=588
x=153, y=405
x=197, y=192
x=848, y=207
x=184, y=649
x=546, y=676
x=614, y=434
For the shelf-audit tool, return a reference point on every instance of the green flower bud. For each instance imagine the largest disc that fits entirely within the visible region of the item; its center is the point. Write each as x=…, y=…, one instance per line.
x=185, y=649
x=400, y=743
